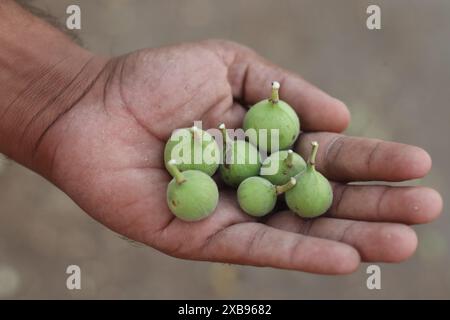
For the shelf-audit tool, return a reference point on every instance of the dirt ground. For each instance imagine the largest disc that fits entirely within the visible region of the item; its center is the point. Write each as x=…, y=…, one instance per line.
x=395, y=80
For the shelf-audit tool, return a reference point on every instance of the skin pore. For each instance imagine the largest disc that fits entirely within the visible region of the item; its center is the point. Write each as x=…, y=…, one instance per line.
x=96, y=128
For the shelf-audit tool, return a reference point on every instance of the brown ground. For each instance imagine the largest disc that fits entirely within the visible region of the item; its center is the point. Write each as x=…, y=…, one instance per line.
x=394, y=80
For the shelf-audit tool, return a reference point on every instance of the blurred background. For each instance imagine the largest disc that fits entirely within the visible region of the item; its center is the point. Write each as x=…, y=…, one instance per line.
x=394, y=80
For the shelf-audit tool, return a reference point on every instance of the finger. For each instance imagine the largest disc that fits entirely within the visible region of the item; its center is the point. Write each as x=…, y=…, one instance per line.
x=250, y=77
x=260, y=245
x=231, y=236
x=343, y=158
x=410, y=205
x=381, y=242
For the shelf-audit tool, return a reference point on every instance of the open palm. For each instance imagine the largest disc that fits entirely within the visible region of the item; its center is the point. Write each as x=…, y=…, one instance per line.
x=106, y=153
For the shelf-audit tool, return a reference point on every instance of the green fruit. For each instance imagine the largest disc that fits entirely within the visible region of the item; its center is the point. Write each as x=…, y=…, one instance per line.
x=257, y=196
x=193, y=149
x=191, y=195
x=241, y=160
x=286, y=164
x=312, y=195
x=272, y=114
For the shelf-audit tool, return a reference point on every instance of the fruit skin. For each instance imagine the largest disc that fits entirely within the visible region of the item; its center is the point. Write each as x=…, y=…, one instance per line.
x=209, y=150
x=264, y=115
x=257, y=196
x=193, y=199
x=286, y=169
x=237, y=166
x=312, y=196
x=273, y=114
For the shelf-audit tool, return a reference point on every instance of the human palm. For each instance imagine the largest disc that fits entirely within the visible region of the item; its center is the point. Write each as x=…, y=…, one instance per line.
x=106, y=153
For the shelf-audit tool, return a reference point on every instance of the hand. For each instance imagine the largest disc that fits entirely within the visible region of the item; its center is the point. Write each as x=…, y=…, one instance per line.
x=106, y=154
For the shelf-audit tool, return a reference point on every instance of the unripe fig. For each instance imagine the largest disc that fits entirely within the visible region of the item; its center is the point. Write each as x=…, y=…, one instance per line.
x=241, y=160
x=312, y=195
x=192, y=195
x=258, y=196
x=286, y=163
x=270, y=114
x=193, y=149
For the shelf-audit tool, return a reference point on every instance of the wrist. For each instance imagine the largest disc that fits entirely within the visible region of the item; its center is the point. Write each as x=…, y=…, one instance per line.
x=43, y=74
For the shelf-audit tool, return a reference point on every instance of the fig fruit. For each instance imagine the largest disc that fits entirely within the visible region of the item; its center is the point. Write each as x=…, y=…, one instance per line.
x=280, y=166
x=258, y=196
x=312, y=195
x=241, y=160
x=272, y=114
x=192, y=195
x=193, y=149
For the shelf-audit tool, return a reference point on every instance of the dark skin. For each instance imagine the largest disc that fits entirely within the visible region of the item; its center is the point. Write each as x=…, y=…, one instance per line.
x=106, y=152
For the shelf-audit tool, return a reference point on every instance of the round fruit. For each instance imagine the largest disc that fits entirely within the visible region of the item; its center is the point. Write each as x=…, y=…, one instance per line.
x=193, y=149
x=191, y=195
x=241, y=160
x=258, y=196
x=312, y=195
x=271, y=114
x=282, y=165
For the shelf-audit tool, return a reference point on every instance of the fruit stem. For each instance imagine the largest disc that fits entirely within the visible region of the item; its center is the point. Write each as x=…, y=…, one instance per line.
x=312, y=156
x=175, y=172
x=290, y=158
x=223, y=129
x=286, y=187
x=225, y=142
x=275, y=97
x=195, y=133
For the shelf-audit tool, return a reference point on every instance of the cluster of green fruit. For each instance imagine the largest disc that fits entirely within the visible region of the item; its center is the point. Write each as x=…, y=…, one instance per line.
x=193, y=195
